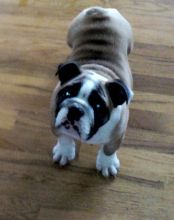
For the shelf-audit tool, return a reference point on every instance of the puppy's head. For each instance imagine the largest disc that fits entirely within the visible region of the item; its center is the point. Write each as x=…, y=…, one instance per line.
x=84, y=101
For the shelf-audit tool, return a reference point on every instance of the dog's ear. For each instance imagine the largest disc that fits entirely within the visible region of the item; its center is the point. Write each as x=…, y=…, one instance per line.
x=67, y=71
x=119, y=92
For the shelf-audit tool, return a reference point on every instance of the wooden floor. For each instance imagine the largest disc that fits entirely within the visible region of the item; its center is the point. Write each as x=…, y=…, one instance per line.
x=32, y=43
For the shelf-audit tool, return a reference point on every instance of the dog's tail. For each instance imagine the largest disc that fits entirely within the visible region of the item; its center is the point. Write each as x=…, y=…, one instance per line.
x=96, y=13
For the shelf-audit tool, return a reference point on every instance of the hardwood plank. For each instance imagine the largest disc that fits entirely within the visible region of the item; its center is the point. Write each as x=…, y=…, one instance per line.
x=141, y=15
x=150, y=140
x=32, y=44
x=53, y=214
x=160, y=123
x=159, y=103
x=7, y=119
x=78, y=188
x=157, y=85
x=157, y=60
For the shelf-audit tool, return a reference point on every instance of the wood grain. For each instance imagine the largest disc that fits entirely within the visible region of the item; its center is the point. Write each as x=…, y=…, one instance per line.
x=32, y=43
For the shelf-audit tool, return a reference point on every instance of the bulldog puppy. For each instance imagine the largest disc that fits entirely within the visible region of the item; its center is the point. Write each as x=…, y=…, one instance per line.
x=91, y=100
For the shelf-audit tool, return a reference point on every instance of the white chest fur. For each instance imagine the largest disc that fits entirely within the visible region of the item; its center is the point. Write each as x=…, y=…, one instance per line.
x=104, y=133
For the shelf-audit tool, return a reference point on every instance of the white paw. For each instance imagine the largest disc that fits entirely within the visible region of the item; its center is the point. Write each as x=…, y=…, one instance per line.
x=107, y=165
x=64, y=152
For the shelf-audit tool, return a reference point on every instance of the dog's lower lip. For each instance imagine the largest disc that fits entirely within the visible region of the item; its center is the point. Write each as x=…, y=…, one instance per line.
x=76, y=128
x=66, y=124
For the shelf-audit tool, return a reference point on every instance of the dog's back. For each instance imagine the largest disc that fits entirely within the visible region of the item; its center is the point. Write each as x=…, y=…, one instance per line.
x=101, y=36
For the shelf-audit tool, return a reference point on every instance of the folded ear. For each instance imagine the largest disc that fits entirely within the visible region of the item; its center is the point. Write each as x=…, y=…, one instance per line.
x=67, y=71
x=119, y=92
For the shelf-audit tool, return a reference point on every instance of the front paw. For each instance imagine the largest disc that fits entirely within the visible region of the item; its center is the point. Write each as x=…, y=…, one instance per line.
x=107, y=165
x=63, y=154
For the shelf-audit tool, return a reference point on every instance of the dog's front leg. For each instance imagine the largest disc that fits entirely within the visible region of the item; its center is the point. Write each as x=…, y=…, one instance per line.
x=108, y=165
x=107, y=161
x=64, y=151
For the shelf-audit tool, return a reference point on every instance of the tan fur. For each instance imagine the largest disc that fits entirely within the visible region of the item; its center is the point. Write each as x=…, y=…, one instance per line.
x=118, y=35
x=114, y=41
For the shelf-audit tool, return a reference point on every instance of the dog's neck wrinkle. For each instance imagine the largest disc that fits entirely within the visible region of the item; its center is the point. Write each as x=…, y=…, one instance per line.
x=111, y=72
x=106, y=72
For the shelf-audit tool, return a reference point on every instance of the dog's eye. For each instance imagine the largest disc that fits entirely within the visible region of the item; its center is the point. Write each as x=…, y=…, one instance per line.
x=98, y=106
x=96, y=101
x=64, y=94
x=67, y=94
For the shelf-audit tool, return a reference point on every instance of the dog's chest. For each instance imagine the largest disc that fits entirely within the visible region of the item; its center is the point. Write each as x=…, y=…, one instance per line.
x=104, y=133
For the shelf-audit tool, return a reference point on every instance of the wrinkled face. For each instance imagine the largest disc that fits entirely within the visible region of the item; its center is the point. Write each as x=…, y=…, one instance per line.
x=84, y=102
x=82, y=107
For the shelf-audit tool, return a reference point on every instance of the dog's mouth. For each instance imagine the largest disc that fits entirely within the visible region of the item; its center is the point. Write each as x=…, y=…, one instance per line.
x=68, y=126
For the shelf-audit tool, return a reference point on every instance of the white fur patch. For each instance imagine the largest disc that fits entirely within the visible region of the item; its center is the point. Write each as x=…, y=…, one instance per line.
x=61, y=116
x=107, y=165
x=103, y=134
x=64, y=151
x=86, y=89
x=131, y=96
x=84, y=126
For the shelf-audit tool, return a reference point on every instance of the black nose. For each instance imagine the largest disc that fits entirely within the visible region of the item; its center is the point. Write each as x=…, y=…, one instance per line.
x=75, y=114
